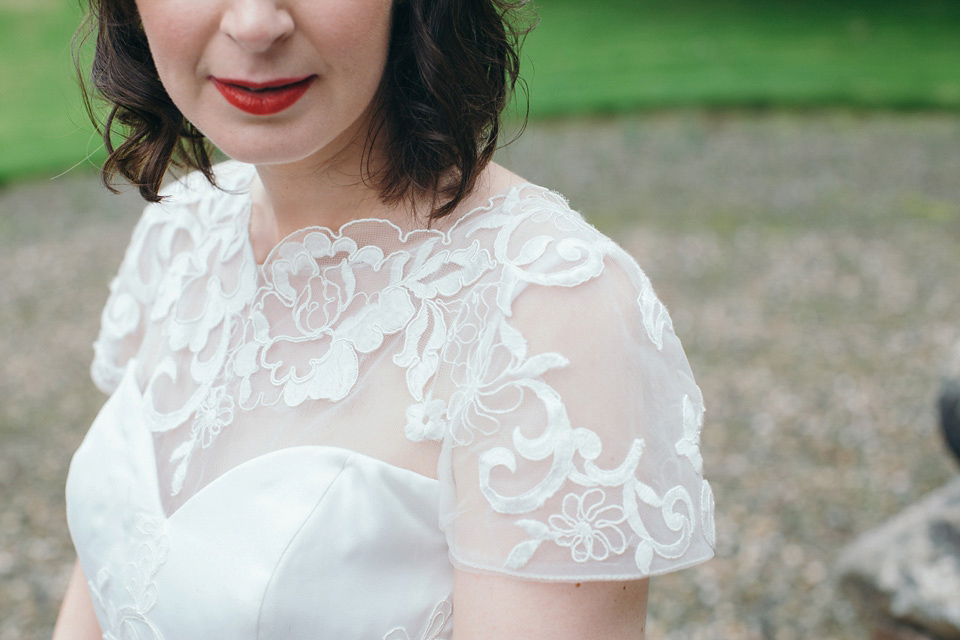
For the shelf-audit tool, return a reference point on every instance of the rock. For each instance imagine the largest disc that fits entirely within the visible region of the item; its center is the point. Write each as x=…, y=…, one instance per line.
x=899, y=632
x=907, y=570
x=949, y=403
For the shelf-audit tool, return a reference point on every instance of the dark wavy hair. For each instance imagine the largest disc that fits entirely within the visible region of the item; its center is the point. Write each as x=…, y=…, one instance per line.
x=451, y=70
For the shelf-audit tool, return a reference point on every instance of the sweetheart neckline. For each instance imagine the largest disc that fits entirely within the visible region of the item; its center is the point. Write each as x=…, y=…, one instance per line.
x=128, y=384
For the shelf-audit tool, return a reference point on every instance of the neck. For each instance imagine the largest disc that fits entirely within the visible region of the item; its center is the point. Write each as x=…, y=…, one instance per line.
x=331, y=192
x=325, y=192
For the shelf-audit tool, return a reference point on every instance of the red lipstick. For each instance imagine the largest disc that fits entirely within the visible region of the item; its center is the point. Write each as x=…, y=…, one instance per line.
x=262, y=98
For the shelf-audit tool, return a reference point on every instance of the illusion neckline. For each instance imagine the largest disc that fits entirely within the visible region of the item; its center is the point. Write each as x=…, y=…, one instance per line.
x=245, y=174
x=129, y=391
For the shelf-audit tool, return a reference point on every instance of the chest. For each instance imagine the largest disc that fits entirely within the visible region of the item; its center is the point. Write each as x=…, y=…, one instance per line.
x=328, y=344
x=292, y=543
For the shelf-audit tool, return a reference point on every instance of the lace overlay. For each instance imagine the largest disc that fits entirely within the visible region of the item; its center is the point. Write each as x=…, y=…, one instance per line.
x=441, y=615
x=128, y=609
x=520, y=359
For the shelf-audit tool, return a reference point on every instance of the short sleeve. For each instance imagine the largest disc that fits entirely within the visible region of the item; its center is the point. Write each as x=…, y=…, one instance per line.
x=124, y=315
x=159, y=262
x=164, y=229
x=573, y=446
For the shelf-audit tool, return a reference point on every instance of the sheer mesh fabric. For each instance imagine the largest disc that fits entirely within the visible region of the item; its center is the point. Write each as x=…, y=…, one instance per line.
x=518, y=357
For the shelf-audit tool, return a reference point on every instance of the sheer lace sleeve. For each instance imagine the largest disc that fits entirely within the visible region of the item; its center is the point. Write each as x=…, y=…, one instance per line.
x=572, y=451
x=163, y=231
x=122, y=321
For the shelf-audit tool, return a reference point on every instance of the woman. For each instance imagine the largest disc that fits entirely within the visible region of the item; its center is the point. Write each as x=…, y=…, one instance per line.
x=369, y=378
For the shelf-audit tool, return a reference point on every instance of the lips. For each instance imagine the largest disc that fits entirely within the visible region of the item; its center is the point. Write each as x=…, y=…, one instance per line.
x=263, y=98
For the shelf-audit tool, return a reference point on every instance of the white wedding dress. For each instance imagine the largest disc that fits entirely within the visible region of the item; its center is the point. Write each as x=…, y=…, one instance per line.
x=308, y=447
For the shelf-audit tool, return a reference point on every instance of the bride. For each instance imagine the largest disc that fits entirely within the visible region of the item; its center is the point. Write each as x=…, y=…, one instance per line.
x=364, y=382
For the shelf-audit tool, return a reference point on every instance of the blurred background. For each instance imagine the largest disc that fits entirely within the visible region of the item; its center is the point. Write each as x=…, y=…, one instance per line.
x=786, y=171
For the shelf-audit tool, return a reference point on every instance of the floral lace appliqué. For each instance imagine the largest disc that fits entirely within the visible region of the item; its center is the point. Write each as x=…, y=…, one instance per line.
x=130, y=621
x=495, y=375
x=689, y=445
x=655, y=315
x=432, y=629
x=228, y=337
x=590, y=529
x=426, y=421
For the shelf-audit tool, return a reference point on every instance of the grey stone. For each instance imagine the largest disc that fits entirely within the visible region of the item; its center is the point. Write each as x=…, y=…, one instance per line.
x=899, y=632
x=949, y=403
x=907, y=570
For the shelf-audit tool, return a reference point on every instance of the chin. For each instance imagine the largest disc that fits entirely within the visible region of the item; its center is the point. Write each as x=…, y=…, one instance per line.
x=271, y=152
x=260, y=157
x=290, y=142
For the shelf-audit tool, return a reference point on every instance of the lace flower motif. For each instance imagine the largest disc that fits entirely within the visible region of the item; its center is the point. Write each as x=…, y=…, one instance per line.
x=127, y=615
x=589, y=530
x=426, y=421
x=214, y=413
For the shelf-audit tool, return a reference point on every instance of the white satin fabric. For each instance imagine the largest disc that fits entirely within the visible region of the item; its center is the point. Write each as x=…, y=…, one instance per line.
x=307, y=447
x=303, y=542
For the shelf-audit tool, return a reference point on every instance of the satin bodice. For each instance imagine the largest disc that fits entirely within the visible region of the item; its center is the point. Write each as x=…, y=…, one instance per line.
x=307, y=541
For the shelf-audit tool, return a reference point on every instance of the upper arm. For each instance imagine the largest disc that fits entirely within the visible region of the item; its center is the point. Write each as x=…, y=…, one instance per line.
x=573, y=447
x=491, y=606
x=132, y=292
x=77, y=620
x=571, y=470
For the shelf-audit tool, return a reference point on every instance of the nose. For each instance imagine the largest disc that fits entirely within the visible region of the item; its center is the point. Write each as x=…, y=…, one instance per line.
x=256, y=25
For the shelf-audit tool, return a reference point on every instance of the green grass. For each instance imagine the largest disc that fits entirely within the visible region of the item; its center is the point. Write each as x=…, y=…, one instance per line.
x=616, y=55
x=586, y=57
x=43, y=128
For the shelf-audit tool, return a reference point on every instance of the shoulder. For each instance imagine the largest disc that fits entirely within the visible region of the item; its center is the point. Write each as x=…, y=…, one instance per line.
x=191, y=214
x=190, y=208
x=521, y=211
x=549, y=254
x=192, y=196
x=190, y=203
x=193, y=217
x=573, y=434
x=563, y=296
x=230, y=177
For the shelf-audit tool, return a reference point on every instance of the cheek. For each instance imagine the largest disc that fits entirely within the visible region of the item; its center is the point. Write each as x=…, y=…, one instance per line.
x=354, y=32
x=176, y=32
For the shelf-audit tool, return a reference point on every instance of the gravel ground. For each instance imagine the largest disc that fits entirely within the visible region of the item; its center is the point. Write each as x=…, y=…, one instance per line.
x=810, y=262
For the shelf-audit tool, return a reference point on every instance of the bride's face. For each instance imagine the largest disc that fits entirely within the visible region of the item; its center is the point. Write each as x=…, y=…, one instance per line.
x=271, y=81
